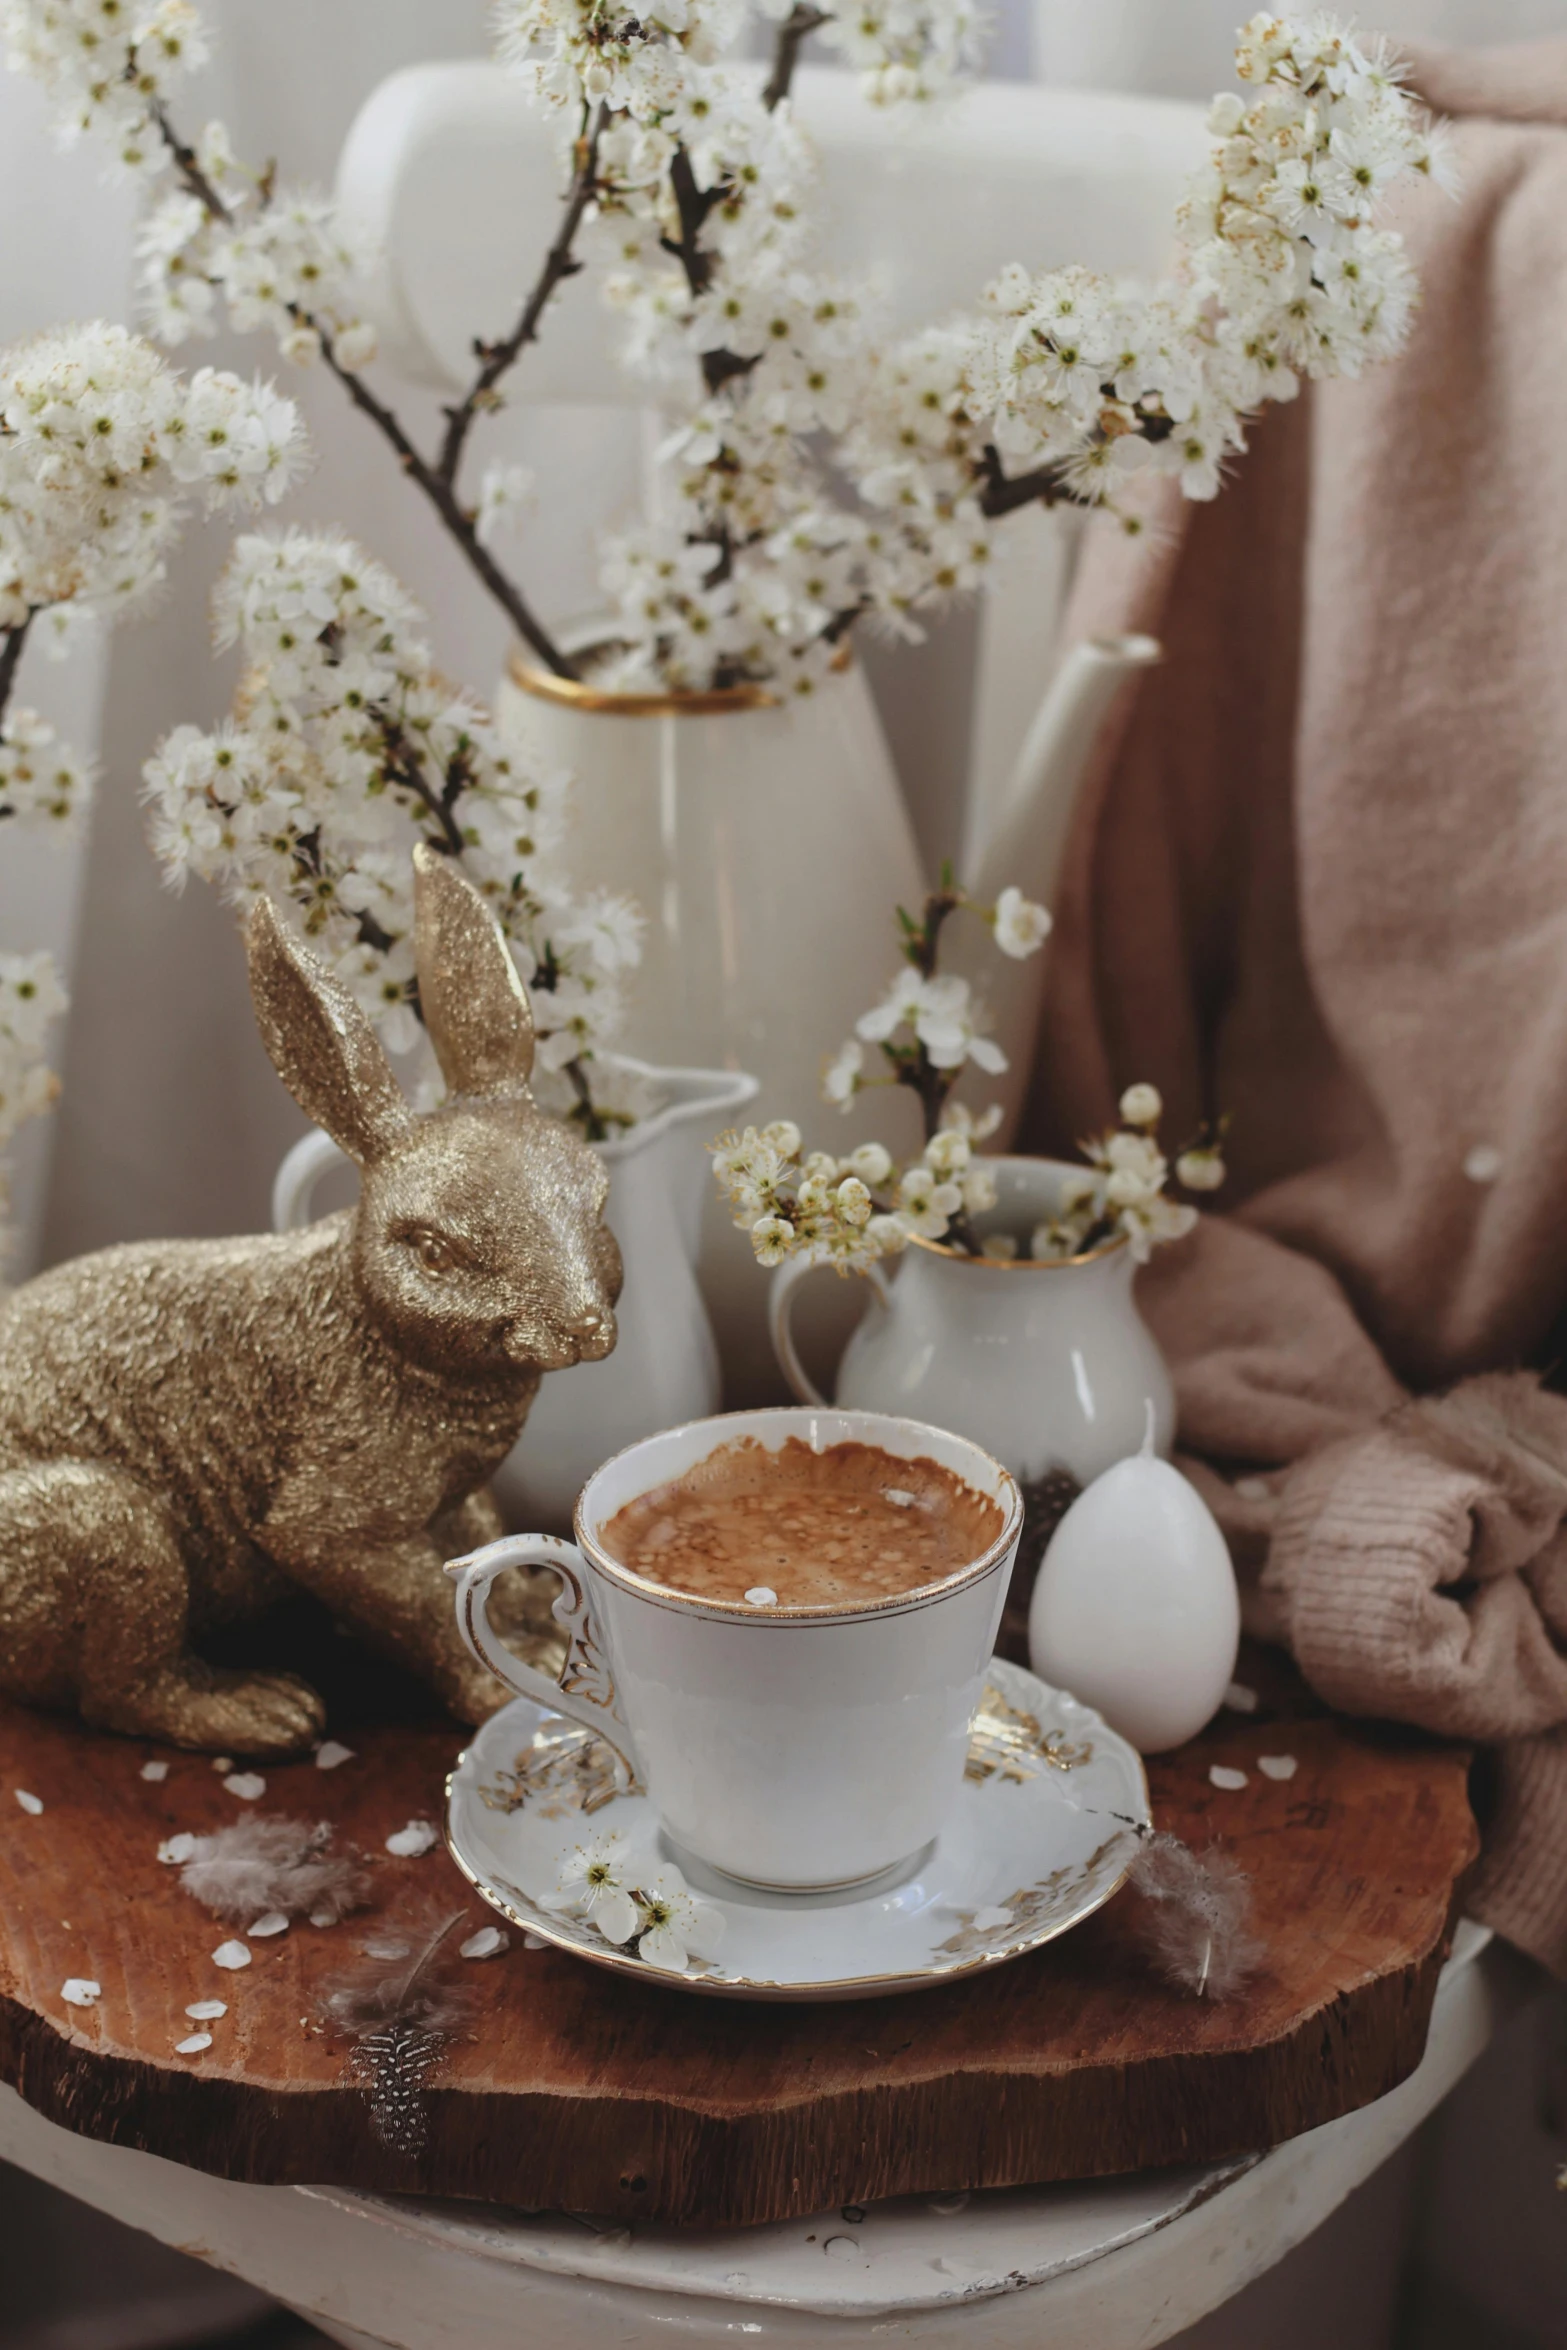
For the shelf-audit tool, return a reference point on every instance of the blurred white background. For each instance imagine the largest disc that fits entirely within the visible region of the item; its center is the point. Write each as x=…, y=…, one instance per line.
x=170, y=1121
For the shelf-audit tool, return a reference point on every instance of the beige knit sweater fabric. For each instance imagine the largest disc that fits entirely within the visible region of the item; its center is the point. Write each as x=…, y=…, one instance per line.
x=1320, y=880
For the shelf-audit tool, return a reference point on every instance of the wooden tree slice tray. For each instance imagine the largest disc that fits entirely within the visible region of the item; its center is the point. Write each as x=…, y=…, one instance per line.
x=573, y=2089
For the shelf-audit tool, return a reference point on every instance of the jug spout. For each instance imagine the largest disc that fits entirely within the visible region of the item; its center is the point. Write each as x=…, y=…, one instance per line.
x=1022, y=847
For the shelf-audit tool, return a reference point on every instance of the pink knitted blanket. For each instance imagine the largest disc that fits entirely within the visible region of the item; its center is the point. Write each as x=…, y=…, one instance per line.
x=1320, y=880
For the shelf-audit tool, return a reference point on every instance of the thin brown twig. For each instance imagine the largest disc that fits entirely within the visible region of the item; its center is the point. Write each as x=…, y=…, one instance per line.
x=559, y=263
x=443, y=498
x=1005, y=494
x=404, y=772
x=12, y=640
x=793, y=33
x=188, y=165
x=420, y=471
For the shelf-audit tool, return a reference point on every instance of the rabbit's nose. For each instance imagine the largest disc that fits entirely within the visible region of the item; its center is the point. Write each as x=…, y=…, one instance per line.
x=594, y=1330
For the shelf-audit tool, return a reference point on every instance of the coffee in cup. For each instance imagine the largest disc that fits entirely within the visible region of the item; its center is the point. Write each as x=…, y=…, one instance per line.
x=794, y=1525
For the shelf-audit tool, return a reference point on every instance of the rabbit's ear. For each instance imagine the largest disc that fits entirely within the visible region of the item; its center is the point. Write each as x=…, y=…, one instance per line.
x=475, y=1006
x=322, y=1046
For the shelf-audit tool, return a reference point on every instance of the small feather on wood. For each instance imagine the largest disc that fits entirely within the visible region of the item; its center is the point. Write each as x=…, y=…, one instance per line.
x=271, y=1864
x=1198, y=1917
x=400, y=2012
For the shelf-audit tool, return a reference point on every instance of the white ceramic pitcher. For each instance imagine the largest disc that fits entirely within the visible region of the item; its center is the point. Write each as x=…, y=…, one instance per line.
x=765, y=840
x=665, y=1368
x=1048, y=1365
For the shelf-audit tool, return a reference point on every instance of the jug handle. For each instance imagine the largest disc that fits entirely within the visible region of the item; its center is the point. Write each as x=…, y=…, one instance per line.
x=780, y=1309
x=311, y=1157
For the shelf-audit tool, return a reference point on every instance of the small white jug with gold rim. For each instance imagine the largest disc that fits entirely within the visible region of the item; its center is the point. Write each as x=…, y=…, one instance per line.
x=1048, y=1364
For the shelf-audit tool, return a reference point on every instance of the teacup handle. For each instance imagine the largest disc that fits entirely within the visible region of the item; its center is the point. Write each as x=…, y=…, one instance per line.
x=586, y=1688
x=780, y=1311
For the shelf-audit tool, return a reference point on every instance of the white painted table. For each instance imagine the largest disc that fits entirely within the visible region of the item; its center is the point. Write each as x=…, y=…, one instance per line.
x=1114, y=2265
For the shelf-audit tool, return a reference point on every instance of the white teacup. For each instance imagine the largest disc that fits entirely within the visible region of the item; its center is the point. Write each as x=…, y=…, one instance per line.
x=797, y=1748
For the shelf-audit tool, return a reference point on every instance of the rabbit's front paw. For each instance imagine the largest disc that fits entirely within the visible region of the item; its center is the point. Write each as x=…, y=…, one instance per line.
x=218, y=1711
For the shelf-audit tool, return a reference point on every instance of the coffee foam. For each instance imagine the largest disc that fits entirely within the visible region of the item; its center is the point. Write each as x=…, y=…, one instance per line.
x=793, y=1527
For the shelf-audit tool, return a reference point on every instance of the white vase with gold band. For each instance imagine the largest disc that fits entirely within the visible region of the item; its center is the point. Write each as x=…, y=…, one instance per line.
x=764, y=838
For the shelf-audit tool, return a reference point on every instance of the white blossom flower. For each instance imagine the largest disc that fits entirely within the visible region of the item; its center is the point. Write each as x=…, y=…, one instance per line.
x=1200, y=1169
x=872, y=1162
x=962, y=1120
x=772, y=1237
x=504, y=491
x=841, y=1078
x=347, y=748
x=926, y=1205
x=1020, y=926
x=31, y=1001
x=594, y=1883
x=853, y=1201
x=1141, y=1105
x=674, y=1924
x=101, y=448
x=948, y=1152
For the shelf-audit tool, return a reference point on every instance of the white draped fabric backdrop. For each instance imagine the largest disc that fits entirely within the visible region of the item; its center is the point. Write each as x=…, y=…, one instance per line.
x=170, y=1121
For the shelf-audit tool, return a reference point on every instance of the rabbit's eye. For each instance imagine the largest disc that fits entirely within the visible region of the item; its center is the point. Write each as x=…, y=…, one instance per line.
x=435, y=1254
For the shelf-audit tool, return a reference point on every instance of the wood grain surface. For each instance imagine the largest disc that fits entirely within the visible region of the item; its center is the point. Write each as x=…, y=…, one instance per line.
x=573, y=2089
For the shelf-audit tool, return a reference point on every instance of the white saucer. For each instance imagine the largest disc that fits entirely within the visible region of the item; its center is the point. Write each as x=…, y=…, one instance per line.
x=1042, y=1835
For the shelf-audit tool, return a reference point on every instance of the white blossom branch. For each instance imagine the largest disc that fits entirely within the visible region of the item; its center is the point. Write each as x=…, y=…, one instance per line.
x=437, y=483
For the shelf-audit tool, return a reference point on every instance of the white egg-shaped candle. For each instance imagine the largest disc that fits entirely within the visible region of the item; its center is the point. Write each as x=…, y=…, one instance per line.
x=1135, y=1610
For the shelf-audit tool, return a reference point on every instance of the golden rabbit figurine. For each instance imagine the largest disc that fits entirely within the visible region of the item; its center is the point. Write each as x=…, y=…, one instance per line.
x=189, y=1428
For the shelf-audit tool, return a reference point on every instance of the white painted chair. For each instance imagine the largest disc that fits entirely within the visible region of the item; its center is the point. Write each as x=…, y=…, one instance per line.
x=1117, y=2264
x=452, y=176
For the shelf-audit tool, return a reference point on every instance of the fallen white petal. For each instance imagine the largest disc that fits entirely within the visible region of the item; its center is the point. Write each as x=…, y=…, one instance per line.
x=206, y=2011
x=232, y=1955
x=410, y=1842
x=1277, y=1766
x=323, y=1917
x=249, y=1786
x=1240, y=1699
x=80, y=1991
x=175, y=1851
x=155, y=1770
x=489, y=1942
x=534, y=1942
x=274, y=1922
x=222, y=1763
x=329, y=1754
x=1484, y=1163
x=1223, y=1777
x=1252, y=1488
x=29, y=1803
x=193, y=2044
